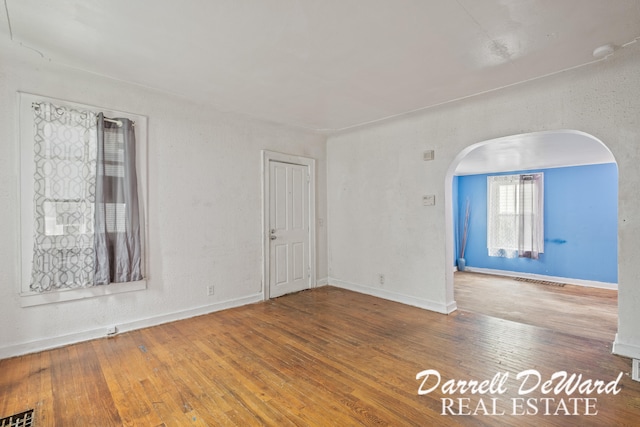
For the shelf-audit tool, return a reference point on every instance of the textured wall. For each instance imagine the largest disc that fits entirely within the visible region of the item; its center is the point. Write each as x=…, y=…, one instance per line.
x=205, y=212
x=376, y=180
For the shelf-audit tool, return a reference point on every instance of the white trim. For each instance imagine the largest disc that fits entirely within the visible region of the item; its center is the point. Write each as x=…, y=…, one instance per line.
x=49, y=343
x=393, y=296
x=268, y=156
x=625, y=349
x=554, y=279
x=635, y=370
x=30, y=299
x=322, y=282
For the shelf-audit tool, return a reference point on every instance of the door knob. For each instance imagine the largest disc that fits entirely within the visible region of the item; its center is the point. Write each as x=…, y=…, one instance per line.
x=272, y=237
x=273, y=234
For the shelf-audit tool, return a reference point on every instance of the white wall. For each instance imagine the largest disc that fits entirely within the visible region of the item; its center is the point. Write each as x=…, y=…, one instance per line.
x=205, y=195
x=376, y=180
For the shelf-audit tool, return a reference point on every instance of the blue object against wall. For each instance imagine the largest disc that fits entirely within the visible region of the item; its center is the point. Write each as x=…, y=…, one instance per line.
x=580, y=224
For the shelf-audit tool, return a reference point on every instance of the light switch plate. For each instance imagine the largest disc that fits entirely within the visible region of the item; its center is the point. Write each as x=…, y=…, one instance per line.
x=429, y=200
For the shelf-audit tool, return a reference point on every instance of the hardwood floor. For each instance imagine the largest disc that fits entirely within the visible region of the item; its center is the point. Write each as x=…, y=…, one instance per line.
x=319, y=358
x=577, y=310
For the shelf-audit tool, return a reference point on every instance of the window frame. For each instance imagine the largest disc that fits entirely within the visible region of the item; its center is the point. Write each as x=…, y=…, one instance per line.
x=520, y=211
x=25, y=136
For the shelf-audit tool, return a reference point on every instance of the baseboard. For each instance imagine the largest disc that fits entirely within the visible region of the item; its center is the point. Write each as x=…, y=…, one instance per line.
x=59, y=341
x=554, y=279
x=322, y=282
x=624, y=349
x=393, y=296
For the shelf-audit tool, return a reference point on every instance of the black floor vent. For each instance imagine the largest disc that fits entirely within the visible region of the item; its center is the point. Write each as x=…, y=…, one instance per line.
x=540, y=282
x=23, y=419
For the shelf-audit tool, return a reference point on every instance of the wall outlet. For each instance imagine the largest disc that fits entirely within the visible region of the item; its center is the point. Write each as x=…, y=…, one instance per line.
x=210, y=290
x=428, y=155
x=112, y=330
x=381, y=278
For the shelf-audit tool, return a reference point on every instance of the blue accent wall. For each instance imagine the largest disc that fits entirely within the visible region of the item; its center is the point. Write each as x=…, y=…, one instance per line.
x=456, y=231
x=580, y=224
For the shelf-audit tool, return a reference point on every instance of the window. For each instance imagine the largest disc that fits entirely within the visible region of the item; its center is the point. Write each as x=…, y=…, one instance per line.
x=73, y=206
x=515, y=225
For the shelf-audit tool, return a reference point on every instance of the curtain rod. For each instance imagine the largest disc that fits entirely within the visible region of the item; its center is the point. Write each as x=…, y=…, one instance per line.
x=117, y=122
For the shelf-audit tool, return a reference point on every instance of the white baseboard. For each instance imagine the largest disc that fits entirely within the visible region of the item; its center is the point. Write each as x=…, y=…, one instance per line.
x=625, y=349
x=322, y=282
x=554, y=279
x=59, y=341
x=393, y=296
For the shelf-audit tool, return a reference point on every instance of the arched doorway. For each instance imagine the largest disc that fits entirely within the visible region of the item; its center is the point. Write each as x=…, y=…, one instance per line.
x=549, y=150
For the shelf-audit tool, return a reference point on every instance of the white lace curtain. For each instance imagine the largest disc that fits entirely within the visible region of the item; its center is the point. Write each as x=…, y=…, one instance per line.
x=515, y=217
x=71, y=168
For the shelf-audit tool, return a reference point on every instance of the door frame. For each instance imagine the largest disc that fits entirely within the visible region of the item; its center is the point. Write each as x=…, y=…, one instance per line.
x=267, y=157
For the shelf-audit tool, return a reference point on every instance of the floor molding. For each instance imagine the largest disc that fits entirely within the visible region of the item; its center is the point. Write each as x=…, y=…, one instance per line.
x=394, y=296
x=555, y=279
x=59, y=341
x=624, y=349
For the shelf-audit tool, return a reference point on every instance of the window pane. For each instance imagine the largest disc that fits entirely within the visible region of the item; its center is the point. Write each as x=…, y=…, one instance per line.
x=507, y=199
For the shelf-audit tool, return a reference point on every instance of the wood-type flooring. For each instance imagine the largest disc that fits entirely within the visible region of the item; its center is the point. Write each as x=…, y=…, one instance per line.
x=324, y=357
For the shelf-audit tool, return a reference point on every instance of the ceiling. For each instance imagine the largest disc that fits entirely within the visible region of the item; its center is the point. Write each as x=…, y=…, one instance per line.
x=321, y=65
x=537, y=150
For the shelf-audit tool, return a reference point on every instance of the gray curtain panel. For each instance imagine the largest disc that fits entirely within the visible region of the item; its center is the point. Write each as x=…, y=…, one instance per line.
x=117, y=233
x=531, y=221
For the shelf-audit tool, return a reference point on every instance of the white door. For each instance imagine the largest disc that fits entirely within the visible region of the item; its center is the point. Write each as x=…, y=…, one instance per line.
x=289, y=267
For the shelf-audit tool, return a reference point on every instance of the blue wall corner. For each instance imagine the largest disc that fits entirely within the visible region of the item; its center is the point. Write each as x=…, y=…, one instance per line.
x=456, y=232
x=580, y=221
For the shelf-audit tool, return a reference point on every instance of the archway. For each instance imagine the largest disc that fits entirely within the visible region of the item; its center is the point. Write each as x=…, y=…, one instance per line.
x=538, y=150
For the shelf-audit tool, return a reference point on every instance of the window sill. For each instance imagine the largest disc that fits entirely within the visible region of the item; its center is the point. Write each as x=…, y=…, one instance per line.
x=30, y=299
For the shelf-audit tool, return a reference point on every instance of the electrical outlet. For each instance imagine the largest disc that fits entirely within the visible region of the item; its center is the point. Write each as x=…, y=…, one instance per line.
x=381, y=278
x=428, y=155
x=210, y=290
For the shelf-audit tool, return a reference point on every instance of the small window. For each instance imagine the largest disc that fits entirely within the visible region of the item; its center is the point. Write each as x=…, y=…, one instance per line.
x=515, y=215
